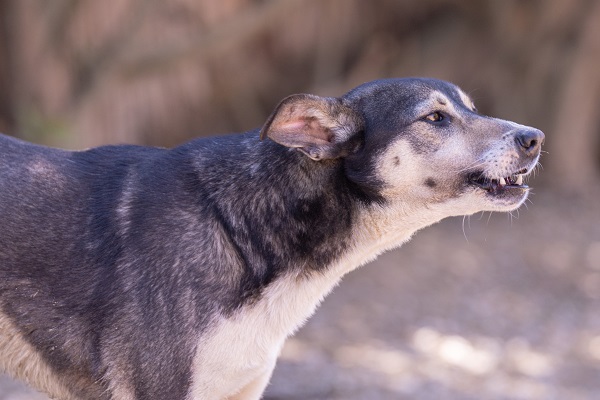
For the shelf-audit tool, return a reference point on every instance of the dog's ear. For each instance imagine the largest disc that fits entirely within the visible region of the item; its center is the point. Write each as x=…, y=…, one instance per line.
x=320, y=127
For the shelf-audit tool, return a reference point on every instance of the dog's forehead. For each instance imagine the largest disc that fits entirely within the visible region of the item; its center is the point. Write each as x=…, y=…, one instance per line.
x=438, y=99
x=411, y=95
x=435, y=100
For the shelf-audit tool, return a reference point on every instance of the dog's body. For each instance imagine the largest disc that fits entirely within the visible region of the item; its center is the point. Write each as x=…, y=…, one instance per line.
x=129, y=272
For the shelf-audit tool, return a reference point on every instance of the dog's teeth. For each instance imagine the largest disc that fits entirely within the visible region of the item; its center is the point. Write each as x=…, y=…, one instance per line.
x=502, y=181
x=519, y=179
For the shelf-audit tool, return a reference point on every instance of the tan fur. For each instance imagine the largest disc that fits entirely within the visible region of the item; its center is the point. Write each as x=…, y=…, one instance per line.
x=23, y=362
x=466, y=100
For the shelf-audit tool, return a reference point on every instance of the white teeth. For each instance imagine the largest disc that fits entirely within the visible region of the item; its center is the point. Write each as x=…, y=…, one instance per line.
x=502, y=181
x=519, y=180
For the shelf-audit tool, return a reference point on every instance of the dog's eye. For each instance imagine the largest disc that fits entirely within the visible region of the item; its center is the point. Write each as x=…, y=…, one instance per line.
x=435, y=117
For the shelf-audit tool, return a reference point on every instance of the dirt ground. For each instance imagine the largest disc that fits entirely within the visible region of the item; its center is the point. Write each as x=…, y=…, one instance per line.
x=489, y=308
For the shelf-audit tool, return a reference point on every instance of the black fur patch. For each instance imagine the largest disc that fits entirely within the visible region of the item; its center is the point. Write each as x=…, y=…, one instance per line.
x=430, y=182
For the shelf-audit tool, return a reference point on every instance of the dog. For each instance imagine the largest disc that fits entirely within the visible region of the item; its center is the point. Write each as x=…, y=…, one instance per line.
x=131, y=272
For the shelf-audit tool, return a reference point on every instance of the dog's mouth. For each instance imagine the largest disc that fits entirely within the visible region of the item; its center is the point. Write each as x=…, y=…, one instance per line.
x=496, y=186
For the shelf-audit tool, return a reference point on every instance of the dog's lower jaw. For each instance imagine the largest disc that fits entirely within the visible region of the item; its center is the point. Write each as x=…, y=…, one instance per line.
x=509, y=200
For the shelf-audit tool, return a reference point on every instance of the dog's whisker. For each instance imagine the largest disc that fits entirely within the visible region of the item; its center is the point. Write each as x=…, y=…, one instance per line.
x=470, y=167
x=463, y=228
x=489, y=218
x=513, y=216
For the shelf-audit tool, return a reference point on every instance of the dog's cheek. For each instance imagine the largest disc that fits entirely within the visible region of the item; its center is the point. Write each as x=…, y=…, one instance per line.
x=402, y=170
x=425, y=142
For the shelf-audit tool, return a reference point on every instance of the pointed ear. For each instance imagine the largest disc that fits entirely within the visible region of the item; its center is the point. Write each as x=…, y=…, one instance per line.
x=320, y=127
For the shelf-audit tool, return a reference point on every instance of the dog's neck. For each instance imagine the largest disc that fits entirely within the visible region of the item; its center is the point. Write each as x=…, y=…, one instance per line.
x=303, y=218
x=298, y=233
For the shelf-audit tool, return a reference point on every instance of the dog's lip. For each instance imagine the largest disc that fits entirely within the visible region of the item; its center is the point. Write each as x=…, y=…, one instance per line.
x=494, y=186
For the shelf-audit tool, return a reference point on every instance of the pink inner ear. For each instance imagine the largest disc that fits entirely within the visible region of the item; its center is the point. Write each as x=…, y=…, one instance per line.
x=308, y=130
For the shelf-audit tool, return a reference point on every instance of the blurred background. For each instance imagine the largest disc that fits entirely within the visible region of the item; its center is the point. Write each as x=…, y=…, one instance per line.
x=487, y=307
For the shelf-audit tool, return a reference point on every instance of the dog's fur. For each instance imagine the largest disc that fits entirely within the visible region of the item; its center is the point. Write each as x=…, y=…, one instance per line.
x=131, y=272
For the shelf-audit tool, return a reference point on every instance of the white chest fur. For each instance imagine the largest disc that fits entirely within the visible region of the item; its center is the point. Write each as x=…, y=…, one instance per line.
x=239, y=349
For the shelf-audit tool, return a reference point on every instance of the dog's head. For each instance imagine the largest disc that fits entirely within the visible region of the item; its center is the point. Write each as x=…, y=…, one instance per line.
x=414, y=140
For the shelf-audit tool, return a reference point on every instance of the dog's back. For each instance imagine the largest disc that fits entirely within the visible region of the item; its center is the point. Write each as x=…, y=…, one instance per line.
x=87, y=243
x=55, y=259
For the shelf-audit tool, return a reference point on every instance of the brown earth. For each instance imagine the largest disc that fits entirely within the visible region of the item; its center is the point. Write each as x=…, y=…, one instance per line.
x=485, y=308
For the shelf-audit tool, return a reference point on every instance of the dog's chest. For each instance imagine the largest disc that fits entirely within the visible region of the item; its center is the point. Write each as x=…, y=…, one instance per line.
x=244, y=347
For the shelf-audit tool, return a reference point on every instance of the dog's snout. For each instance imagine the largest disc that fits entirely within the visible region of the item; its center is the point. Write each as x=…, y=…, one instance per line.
x=530, y=141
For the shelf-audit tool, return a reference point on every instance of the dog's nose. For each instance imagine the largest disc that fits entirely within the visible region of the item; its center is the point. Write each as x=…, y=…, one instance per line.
x=530, y=141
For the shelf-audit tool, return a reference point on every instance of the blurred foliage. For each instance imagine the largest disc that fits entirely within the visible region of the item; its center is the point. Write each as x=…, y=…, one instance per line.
x=153, y=72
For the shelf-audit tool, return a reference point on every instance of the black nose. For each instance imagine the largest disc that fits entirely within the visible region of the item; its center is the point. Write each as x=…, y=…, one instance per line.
x=530, y=141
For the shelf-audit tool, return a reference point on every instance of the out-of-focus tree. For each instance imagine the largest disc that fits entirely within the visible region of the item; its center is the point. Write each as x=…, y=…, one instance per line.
x=79, y=73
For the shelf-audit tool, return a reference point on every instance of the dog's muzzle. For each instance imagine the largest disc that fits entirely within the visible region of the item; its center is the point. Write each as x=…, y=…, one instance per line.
x=528, y=143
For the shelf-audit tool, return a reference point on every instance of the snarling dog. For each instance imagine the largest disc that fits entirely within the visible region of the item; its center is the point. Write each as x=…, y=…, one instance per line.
x=132, y=273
